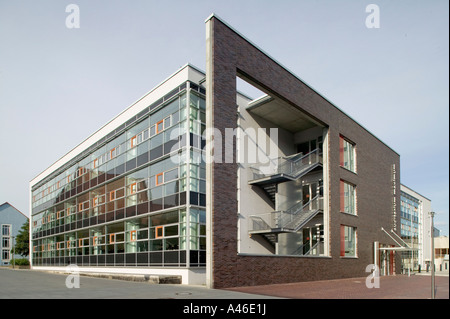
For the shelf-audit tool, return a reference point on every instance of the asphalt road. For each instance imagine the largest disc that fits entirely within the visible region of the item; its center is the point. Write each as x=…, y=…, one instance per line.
x=31, y=284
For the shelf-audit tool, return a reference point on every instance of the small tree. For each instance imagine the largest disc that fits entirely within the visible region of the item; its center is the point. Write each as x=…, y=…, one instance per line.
x=22, y=245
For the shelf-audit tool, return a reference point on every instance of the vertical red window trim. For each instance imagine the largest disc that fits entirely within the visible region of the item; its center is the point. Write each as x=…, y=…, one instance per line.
x=157, y=126
x=159, y=232
x=341, y=151
x=133, y=235
x=133, y=141
x=342, y=240
x=342, y=195
x=133, y=188
x=157, y=179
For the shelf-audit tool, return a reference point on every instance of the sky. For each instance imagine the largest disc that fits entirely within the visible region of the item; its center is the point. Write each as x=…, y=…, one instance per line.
x=58, y=85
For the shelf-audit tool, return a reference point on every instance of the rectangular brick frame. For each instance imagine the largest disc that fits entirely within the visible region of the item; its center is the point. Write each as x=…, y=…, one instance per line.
x=230, y=55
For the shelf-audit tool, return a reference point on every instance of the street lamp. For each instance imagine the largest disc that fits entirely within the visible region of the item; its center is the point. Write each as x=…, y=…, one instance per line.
x=14, y=250
x=432, y=254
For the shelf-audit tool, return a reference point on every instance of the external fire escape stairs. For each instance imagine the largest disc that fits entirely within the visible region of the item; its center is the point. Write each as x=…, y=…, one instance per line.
x=269, y=225
x=289, y=168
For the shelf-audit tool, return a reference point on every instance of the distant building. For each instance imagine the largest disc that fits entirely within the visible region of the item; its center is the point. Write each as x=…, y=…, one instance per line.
x=415, y=229
x=441, y=253
x=11, y=221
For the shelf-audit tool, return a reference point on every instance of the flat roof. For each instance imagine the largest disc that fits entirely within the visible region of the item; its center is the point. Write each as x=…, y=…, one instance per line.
x=153, y=95
x=412, y=190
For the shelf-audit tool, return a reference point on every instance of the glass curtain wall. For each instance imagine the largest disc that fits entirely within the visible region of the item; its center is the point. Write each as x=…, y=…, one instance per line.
x=128, y=203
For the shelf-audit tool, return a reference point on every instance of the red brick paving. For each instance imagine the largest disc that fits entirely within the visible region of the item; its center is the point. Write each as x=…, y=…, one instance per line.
x=391, y=287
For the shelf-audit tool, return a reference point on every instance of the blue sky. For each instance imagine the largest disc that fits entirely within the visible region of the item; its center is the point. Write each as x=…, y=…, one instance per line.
x=59, y=85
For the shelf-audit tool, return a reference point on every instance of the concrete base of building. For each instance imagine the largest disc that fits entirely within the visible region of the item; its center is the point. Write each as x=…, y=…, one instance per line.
x=150, y=275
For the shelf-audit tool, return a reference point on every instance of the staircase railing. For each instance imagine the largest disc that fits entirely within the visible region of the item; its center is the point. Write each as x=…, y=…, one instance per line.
x=288, y=220
x=291, y=166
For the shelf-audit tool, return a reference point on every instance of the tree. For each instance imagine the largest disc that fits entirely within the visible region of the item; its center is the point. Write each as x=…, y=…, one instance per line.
x=22, y=245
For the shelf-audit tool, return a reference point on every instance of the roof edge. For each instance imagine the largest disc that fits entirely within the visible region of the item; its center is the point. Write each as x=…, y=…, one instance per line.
x=214, y=15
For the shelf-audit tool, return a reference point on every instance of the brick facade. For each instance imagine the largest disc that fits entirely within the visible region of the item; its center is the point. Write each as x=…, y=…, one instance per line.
x=230, y=55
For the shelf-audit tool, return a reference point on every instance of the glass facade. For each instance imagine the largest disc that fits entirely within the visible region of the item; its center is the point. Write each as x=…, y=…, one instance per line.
x=410, y=224
x=125, y=201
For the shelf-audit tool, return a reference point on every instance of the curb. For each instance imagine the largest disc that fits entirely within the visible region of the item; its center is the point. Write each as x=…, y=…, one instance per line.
x=145, y=278
x=151, y=279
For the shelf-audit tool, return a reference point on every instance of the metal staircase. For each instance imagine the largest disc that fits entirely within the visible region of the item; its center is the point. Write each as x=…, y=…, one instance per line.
x=288, y=168
x=269, y=225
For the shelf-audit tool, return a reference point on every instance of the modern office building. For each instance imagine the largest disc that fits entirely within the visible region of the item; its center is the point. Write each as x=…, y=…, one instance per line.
x=11, y=221
x=282, y=188
x=132, y=195
x=415, y=229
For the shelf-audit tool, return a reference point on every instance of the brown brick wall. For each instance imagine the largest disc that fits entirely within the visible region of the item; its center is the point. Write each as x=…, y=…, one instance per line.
x=231, y=55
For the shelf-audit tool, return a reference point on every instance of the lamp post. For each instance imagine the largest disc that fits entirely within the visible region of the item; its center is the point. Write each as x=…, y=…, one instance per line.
x=432, y=255
x=14, y=250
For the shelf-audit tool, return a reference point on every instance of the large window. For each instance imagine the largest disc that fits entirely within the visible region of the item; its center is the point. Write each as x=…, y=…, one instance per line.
x=348, y=241
x=348, y=198
x=5, y=255
x=347, y=154
x=6, y=242
x=111, y=208
x=6, y=230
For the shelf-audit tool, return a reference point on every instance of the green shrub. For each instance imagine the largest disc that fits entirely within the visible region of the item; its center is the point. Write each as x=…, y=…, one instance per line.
x=20, y=262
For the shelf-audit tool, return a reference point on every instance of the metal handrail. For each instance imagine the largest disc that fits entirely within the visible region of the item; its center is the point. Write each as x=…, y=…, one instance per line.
x=290, y=165
x=281, y=219
x=300, y=248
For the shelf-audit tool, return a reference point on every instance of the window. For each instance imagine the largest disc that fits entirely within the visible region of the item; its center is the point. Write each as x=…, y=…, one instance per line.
x=159, y=179
x=133, y=141
x=348, y=197
x=5, y=242
x=5, y=255
x=95, y=202
x=347, y=154
x=133, y=235
x=159, y=232
x=112, y=153
x=133, y=188
x=60, y=214
x=6, y=230
x=348, y=241
x=159, y=126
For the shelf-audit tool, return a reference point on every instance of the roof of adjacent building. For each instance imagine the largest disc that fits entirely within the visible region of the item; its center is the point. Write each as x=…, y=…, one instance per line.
x=7, y=205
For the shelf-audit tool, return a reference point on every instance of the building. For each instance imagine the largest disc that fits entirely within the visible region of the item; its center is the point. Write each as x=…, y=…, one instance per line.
x=11, y=221
x=415, y=228
x=199, y=180
x=441, y=253
x=120, y=200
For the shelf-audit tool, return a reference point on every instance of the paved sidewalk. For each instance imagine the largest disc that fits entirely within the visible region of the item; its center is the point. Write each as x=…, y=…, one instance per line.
x=32, y=284
x=391, y=287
